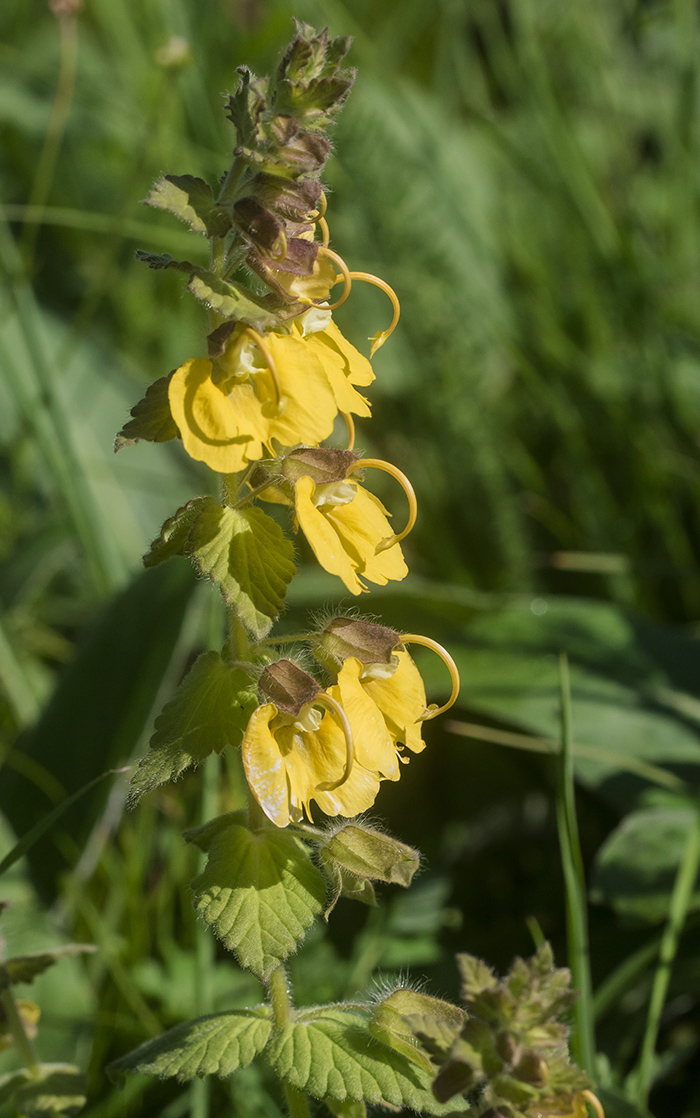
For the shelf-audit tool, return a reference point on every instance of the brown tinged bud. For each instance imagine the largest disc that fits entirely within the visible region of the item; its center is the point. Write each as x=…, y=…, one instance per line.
x=508, y=1048
x=323, y=464
x=532, y=1068
x=288, y=686
x=347, y=636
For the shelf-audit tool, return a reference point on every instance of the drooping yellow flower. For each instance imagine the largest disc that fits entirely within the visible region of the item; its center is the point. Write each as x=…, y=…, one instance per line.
x=345, y=524
x=287, y=759
x=230, y=410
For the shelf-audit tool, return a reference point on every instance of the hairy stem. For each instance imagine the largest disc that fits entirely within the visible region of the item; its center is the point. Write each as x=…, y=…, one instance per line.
x=282, y=1013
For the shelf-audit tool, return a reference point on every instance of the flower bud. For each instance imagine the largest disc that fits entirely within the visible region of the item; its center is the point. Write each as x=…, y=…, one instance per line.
x=350, y=636
x=288, y=686
x=323, y=464
x=508, y=1048
x=532, y=1068
x=372, y=855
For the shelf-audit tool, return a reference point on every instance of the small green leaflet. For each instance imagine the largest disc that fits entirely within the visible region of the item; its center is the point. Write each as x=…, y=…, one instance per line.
x=191, y=199
x=243, y=551
x=151, y=418
x=332, y=1052
x=25, y=968
x=260, y=892
x=209, y=711
x=217, y=1044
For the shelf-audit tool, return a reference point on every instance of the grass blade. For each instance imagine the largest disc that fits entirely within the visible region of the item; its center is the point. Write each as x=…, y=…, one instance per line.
x=582, y=1038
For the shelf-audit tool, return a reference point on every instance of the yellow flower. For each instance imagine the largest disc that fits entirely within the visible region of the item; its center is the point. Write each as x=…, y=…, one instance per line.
x=288, y=758
x=229, y=411
x=345, y=524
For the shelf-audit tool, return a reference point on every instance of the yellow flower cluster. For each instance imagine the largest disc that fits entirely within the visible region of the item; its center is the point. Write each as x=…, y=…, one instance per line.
x=261, y=410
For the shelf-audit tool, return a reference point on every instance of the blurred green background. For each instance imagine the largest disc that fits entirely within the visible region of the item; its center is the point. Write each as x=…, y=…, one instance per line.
x=526, y=174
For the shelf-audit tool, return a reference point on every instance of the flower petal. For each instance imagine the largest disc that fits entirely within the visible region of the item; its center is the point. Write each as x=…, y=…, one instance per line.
x=264, y=766
x=357, y=368
x=224, y=431
x=361, y=525
x=336, y=368
x=402, y=701
x=374, y=748
x=308, y=408
x=321, y=534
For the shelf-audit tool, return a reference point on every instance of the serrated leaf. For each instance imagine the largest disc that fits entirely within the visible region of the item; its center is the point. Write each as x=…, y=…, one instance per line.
x=245, y=552
x=229, y=299
x=209, y=711
x=25, y=968
x=190, y=199
x=332, y=1052
x=217, y=1044
x=61, y=1090
x=260, y=892
x=174, y=538
x=151, y=418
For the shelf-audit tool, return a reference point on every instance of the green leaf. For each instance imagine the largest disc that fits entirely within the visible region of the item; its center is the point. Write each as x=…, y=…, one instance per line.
x=25, y=968
x=637, y=864
x=191, y=200
x=175, y=535
x=229, y=300
x=61, y=1090
x=151, y=418
x=217, y=1044
x=245, y=552
x=260, y=892
x=332, y=1052
x=209, y=711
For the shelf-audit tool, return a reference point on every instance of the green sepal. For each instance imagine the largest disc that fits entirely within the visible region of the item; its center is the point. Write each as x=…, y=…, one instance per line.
x=243, y=551
x=61, y=1090
x=389, y=1022
x=209, y=711
x=434, y=1034
x=340, y=883
x=371, y=854
x=229, y=300
x=151, y=419
x=260, y=892
x=25, y=968
x=217, y=1044
x=191, y=199
x=331, y=1052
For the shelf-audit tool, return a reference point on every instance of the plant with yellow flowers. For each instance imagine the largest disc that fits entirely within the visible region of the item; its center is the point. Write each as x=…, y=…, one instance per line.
x=278, y=376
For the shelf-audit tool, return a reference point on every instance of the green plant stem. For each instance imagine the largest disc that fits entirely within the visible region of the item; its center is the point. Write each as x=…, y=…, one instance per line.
x=582, y=1039
x=282, y=1013
x=200, y=1090
x=24, y=1046
x=681, y=897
